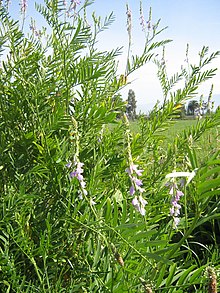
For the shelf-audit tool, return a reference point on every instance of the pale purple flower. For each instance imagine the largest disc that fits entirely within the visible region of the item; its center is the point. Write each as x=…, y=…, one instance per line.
x=132, y=190
x=149, y=25
x=175, y=209
x=135, y=202
x=80, y=195
x=137, y=181
x=179, y=193
x=175, y=206
x=74, y=4
x=68, y=165
x=23, y=6
x=134, y=168
x=85, y=192
x=82, y=192
x=142, y=201
x=83, y=184
x=79, y=176
x=176, y=221
x=128, y=170
x=142, y=22
x=139, y=204
x=140, y=189
x=129, y=23
x=78, y=173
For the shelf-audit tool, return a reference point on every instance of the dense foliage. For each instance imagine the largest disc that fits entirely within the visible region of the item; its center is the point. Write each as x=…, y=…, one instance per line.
x=85, y=204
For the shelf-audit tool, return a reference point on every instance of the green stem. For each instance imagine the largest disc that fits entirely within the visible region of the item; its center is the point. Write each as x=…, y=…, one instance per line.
x=187, y=234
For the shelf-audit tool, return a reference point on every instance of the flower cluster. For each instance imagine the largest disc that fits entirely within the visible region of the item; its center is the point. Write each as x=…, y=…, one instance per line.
x=35, y=31
x=129, y=22
x=74, y=4
x=142, y=19
x=71, y=7
x=138, y=201
x=23, y=6
x=136, y=183
x=175, y=206
x=176, y=193
x=78, y=173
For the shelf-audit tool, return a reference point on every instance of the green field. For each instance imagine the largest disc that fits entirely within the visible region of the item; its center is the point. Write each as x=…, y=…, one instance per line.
x=206, y=144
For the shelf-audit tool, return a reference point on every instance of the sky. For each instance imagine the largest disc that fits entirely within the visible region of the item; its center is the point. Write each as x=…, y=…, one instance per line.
x=193, y=22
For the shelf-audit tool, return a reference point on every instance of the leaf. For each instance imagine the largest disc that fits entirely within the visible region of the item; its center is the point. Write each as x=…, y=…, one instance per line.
x=118, y=196
x=185, y=274
x=208, y=185
x=157, y=258
x=115, y=216
x=209, y=173
x=108, y=210
x=160, y=276
x=194, y=276
x=172, y=271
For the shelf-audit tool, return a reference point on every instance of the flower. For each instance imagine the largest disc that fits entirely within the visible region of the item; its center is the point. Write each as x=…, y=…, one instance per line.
x=23, y=6
x=176, y=193
x=74, y=3
x=78, y=173
x=190, y=175
x=176, y=221
x=134, y=168
x=129, y=23
x=92, y=202
x=132, y=190
x=69, y=164
x=139, y=203
x=175, y=206
x=136, y=182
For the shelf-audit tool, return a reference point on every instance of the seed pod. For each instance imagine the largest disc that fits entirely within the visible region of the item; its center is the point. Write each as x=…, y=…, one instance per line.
x=119, y=259
x=147, y=287
x=212, y=280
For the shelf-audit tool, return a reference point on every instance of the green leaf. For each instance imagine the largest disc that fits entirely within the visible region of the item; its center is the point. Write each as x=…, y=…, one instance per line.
x=172, y=271
x=108, y=210
x=185, y=274
x=208, y=185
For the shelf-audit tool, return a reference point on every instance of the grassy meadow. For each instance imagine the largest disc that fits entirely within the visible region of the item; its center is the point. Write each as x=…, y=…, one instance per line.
x=208, y=143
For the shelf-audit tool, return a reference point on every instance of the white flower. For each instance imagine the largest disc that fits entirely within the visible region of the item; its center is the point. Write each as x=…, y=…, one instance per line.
x=190, y=175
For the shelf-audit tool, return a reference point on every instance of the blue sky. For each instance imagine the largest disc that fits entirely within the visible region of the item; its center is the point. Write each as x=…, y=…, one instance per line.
x=196, y=22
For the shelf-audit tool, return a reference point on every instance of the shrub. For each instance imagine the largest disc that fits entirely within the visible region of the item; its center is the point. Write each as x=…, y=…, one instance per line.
x=85, y=207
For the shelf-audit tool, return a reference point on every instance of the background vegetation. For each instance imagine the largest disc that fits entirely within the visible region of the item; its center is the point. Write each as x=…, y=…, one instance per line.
x=87, y=207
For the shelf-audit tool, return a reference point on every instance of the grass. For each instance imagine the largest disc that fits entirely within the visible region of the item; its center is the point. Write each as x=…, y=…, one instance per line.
x=208, y=143
x=179, y=127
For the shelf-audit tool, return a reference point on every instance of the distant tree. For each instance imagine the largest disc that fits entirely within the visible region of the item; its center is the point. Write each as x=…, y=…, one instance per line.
x=182, y=112
x=192, y=107
x=118, y=104
x=131, y=105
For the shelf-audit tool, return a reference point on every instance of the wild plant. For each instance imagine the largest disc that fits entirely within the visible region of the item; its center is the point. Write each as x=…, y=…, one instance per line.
x=87, y=205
